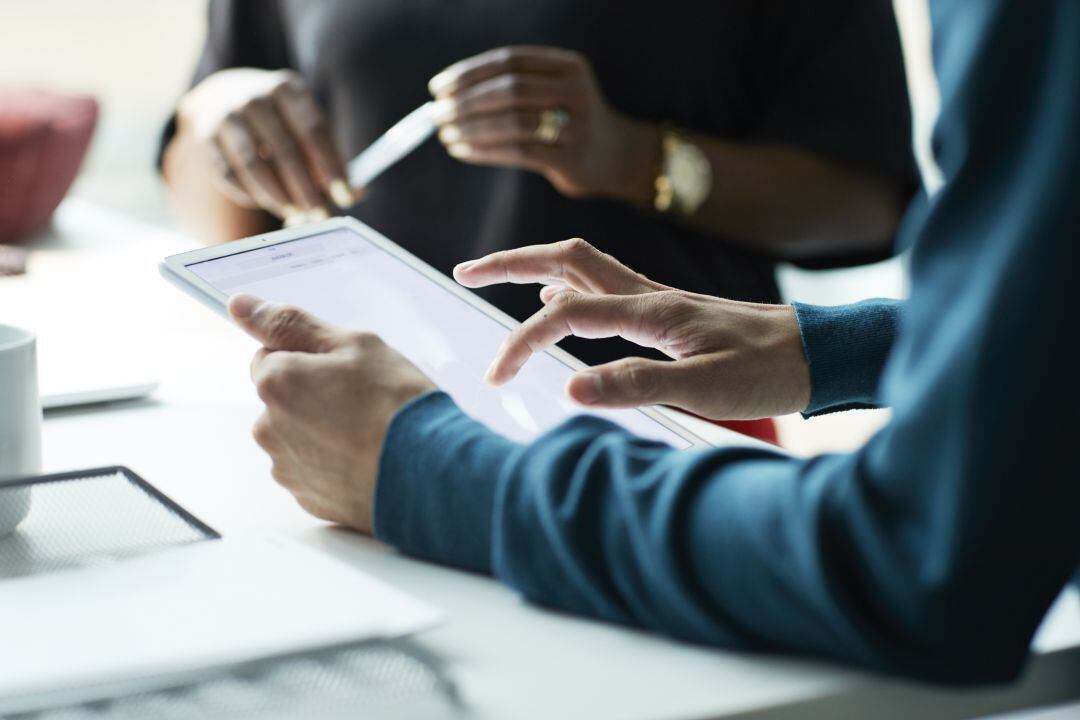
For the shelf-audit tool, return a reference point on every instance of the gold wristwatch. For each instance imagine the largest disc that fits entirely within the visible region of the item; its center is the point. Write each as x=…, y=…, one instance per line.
x=684, y=180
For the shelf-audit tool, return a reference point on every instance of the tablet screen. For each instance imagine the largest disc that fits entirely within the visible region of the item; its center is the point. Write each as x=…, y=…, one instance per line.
x=344, y=278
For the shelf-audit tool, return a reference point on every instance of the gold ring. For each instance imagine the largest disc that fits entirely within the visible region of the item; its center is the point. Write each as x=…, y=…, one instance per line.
x=552, y=123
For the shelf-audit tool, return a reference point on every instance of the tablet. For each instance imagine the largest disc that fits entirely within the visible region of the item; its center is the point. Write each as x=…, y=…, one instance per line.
x=346, y=273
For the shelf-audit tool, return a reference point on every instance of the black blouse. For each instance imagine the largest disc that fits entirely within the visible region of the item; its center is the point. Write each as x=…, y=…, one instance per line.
x=825, y=75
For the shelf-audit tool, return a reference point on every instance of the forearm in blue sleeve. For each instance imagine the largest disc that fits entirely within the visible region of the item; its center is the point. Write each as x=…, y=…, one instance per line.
x=738, y=547
x=936, y=549
x=846, y=349
x=437, y=477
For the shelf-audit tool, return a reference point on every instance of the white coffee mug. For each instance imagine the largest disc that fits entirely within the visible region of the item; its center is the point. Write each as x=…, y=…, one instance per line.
x=20, y=422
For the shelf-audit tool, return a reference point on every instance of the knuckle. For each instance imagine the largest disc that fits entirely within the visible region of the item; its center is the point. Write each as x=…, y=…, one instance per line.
x=284, y=323
x=275, y=385
x=577, y=245
x=311, y=507
x=234, y=117
x=639, y=379
x=254, y=105
x=288, y=374
x=497, y=258
x=281, y=476
x=666, y=301
x=366, y=341
x=269, y=388
x=466, y=105
x=263, y=432
x=563, y=302
x=289, y=81
x=512, y=85
x=284, y=90
x=505, y=56
x=665, y=311
x=577, y=250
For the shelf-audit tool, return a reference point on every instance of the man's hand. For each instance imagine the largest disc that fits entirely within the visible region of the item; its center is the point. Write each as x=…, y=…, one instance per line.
x=542, y=109
x=733, y=360
x=330, y=395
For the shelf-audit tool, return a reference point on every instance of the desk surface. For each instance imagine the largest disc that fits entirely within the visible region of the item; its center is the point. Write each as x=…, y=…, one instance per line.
x=93, y=290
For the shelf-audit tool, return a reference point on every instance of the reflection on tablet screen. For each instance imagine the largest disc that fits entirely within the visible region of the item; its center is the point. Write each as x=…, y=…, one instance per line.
x=345, y=279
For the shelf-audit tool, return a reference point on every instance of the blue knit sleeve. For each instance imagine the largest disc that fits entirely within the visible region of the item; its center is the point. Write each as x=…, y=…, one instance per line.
x=936, y=548
x=846, y=348
x=437, y=477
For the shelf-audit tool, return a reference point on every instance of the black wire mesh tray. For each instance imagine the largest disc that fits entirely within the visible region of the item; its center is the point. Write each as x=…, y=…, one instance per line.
x=92, y=517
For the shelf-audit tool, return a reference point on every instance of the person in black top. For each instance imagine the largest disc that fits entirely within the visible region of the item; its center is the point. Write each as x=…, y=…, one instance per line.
x=698, y=142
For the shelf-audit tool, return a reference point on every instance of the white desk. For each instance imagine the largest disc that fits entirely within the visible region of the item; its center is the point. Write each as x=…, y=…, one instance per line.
x=93, y=287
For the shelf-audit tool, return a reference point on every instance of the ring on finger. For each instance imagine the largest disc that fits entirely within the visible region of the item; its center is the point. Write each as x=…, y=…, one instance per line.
x=552, y=122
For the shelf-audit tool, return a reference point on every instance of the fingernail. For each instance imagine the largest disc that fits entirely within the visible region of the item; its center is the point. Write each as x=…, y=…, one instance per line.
x=460, y=150
x=489, y=376
x=293, y=215
x=341, y=194
x=463, y=267
x=444, y=111
x=590, y=388
x=317, y=215
x=243, y=305
x=442, y=82
x=450, y=135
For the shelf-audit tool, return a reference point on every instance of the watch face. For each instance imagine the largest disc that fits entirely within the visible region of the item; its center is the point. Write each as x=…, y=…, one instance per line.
x=691, y=176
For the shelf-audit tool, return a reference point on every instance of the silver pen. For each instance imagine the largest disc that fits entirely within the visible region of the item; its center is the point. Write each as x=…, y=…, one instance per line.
x=388, y=149
x=392, y=146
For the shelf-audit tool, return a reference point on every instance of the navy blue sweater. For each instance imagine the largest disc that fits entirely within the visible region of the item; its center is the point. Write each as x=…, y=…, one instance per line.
x=934, y=550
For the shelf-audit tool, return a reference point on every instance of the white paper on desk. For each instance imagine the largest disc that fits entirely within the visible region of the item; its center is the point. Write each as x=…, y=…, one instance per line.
x=163, y=619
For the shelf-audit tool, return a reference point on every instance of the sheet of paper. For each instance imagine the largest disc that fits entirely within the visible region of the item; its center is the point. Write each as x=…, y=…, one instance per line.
x=157, y=620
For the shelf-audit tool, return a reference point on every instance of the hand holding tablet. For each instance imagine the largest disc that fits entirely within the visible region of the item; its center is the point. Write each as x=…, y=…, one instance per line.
x=346, y=274
x=330, y=395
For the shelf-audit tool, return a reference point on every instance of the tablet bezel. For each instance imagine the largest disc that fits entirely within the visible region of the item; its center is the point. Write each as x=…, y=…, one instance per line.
x=175, y=269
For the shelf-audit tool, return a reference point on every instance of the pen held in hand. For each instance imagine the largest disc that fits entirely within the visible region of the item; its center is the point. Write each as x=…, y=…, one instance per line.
x=392, y=146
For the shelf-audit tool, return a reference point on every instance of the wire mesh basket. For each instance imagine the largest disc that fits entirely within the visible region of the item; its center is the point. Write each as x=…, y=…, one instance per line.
x=385, y=680
x=91, y=517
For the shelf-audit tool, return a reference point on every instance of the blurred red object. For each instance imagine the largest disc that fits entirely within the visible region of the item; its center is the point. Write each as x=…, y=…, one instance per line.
x=43, y=138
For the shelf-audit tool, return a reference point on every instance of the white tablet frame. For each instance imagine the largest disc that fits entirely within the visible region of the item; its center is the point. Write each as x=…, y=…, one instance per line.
x=174, y=269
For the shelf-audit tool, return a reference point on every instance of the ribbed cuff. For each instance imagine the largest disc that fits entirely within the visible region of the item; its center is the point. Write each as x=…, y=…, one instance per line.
x=438, y=475
x=846, y=349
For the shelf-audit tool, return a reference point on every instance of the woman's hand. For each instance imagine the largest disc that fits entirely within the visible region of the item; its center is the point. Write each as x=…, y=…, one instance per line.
x=541, y=109
x=733, y=360
x=267, y=141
